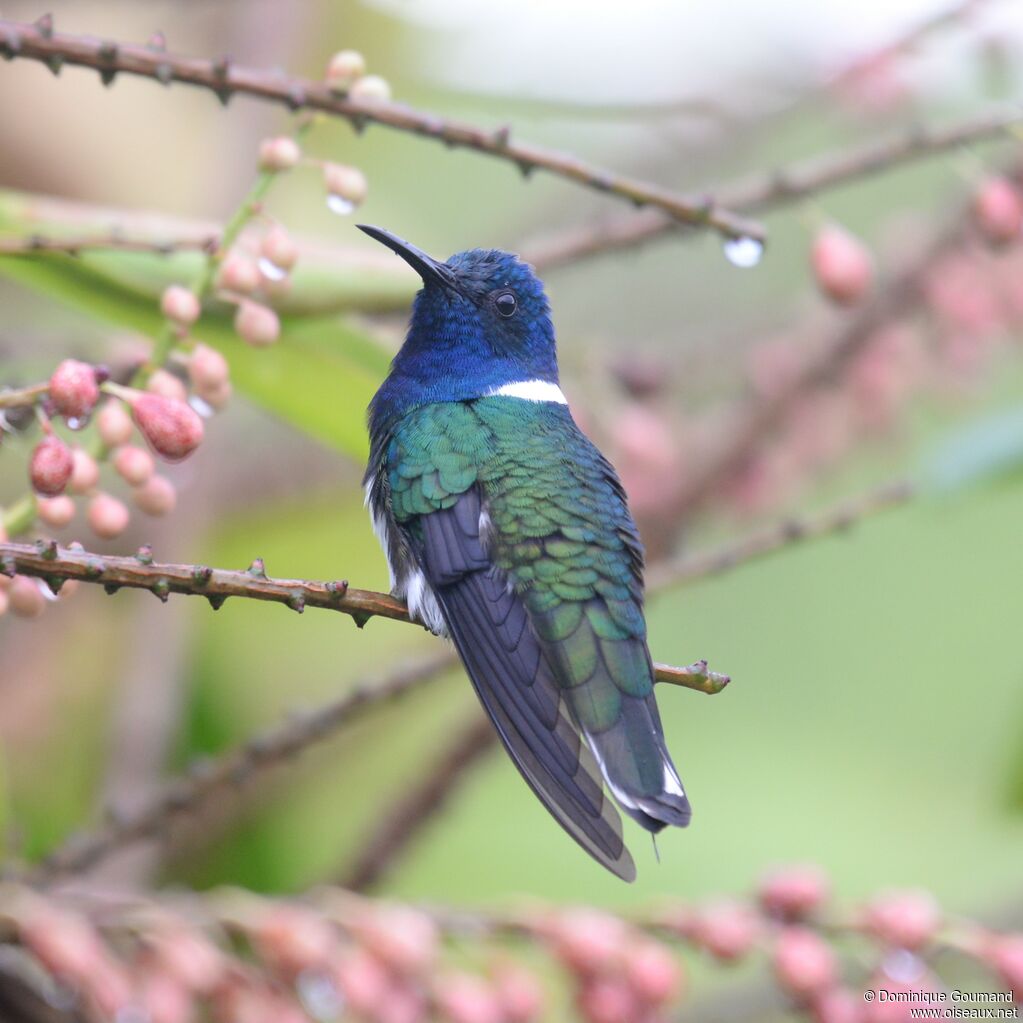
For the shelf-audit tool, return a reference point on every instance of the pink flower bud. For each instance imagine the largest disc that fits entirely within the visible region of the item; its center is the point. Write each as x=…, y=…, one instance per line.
x=279, y=154
x=25, y=598
x=163, y=999
x=836, y=1005
x=155, y=497
x=907, y=919
x=257, y=324
x=108, y=988
x=73, y=389
x=587, y=940
x=344, y=68
x=1006, y=956
x=518, y=993
x=362, y=979
x=794, y=892
x=279, y=248
x=180, y=305
x=114, y=424
x=652, y=972
x=167, y=385
x=189, y=957
x=107, y=516
x=5, y=600
x=134, y=465
x=50, y=467
x=292, y=939
x=56, y=511
x=804, y=963
x=403, y=938
x=465, y=998
x=347, y=182
x=607, y=1000
x=217, y=397
x=238, y=273
x=172, y=429
x=370, y=89
x=998, y=210
x=66, y=945
x=207, y=369
x=841, y=265
x=84, y=472
x=727, y=930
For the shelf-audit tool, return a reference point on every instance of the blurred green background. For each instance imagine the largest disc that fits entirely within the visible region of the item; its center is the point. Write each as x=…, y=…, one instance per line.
x=875, y=721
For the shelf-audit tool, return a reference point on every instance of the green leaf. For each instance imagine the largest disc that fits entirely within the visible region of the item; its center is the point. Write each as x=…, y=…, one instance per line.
x=319, y=376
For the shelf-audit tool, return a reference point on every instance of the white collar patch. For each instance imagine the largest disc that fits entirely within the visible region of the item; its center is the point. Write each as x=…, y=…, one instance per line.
x=529, y=390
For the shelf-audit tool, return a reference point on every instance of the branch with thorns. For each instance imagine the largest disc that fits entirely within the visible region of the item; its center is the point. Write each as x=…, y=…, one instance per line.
x=39, y=41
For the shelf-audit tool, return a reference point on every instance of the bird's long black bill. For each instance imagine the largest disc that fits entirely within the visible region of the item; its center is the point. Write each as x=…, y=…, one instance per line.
x=431, y=270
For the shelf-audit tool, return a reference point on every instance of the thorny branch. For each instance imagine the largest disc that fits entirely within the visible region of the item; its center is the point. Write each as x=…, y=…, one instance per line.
x=39, y=41
x=57, y=564
x=72, y=245
x=781, y=187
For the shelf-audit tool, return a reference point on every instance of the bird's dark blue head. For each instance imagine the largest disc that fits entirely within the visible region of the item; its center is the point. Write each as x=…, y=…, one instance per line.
x=481, y=321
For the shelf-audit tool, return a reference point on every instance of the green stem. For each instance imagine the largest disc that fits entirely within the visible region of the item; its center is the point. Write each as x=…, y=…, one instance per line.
x=20, y=516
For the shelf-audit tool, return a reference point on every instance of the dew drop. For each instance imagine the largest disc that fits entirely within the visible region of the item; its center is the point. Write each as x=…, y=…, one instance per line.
x=48, y=595
x=201, y=407
x=270, y=270
x=744, y=251
x=320, y=996
x=339, y=204
x=77, y=422
x=903, y=966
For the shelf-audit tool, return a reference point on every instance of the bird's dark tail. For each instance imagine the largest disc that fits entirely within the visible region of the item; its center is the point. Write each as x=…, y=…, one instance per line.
x=637, y=766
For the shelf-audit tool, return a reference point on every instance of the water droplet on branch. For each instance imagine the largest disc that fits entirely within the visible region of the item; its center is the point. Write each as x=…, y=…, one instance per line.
x=744, y=251
x=339, y=204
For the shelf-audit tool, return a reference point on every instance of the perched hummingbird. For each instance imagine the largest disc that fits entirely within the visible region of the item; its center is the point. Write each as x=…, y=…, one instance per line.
x=508, y=531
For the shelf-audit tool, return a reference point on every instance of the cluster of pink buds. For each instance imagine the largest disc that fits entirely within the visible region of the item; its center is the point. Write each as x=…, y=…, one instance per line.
x=621, y=975
x=346, y=76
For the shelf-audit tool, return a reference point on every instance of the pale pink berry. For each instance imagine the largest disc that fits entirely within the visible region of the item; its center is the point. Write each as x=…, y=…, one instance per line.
x=239, y=274
x=56, y=511
x=1006, y=956
x=836, y=1005
x=908, y=919
x=370, y=89
x=587, y=940
x=134, y=465
x=257, y=324
x=518, y=993
x=107, y=516
x=362, y=979
x=189, y=957
x=25, y=598
x=73, y=389
x=157, y=496
x=465, y=998
x=84, y=472
x=804, y=963
x=794, y=892
x=5, y=600
x=652, y=972
x=67, y=945
x=70, y=588
x=50, y=467
x=403, y=938
x=349, y=183
x=167, y=385
x=293, y=939
x=607, y=1000
x=114, y=424
x=180, y=305
x=279, y=154
x=207, y=369
x=841, y=265
x=344, y=68
x=163, y=998
x=217, y=397
x=171, y=428
x=279, y=248
x=998, y=210
x=727, y=930
x=401, y=1004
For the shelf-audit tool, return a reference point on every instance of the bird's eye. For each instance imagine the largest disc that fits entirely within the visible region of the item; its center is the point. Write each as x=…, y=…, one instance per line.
x=506, y=303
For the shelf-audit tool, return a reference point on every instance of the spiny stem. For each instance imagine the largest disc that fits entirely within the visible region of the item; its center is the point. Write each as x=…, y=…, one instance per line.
x=225, y=78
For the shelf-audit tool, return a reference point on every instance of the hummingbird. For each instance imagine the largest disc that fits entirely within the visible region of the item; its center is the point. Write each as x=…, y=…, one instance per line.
x=507, y=531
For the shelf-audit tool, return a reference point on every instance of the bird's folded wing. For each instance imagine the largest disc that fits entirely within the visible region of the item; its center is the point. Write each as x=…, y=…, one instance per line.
x=489, y=625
